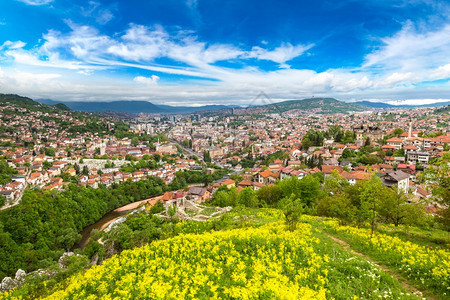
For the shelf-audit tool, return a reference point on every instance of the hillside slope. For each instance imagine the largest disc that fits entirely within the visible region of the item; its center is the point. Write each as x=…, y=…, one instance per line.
x=322, y=105
x=268, y=262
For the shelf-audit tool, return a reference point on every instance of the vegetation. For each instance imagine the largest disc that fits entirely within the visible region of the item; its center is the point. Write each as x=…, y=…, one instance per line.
x=427, y=268
x=249, y=252
x=191, y=177
x=46, y=223
x=6, y=172
x=438, y=176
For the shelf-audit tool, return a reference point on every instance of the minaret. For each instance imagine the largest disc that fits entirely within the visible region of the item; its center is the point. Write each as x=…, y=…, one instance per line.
x=410, y=129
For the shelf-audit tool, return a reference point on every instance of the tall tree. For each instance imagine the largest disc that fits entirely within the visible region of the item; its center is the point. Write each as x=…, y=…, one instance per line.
x=371, y=196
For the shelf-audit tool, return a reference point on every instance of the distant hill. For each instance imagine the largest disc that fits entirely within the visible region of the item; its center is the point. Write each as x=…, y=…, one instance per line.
x=62, y=106
x=443, y=110
x=30, y=104
x=123, y=106
x=132, y=107
x=325, y=105
x=18, y=100
x=387, y=105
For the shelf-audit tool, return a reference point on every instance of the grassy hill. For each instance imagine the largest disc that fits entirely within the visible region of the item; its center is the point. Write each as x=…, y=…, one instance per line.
x=249, y=253
x=62, y=106
x=18, y=100
x=30, y=104
x=323, y=105
x=443, y=110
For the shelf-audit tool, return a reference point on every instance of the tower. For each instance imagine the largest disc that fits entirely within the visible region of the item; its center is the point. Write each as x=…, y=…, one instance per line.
x=410, y=129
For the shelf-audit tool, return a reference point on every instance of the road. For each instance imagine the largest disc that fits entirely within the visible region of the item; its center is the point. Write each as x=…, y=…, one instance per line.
x=187, y=150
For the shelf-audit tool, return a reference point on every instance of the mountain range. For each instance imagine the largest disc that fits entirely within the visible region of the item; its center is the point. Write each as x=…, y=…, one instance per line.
x=133, y=107
x=323, y=105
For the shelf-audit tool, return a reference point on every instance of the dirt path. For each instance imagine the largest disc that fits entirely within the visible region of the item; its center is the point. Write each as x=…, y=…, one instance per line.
x=396, y=276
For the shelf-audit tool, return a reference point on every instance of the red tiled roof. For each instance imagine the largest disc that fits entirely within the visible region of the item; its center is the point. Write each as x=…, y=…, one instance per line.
x=394, y=140
x=227, y=182
x=328, y=169
x=265, y=173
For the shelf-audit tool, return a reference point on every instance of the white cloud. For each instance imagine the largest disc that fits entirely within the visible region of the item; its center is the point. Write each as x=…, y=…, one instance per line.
x=411, y=50
x=104, y=16
x=285, y=52
x=94, y=10
x=397, y=78
x=36, y=2
x=442, y=72
x=12, y=45
x=152, y=80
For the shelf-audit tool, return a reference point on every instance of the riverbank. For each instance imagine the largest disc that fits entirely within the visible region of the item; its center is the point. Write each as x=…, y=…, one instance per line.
x=110, y=217
x=129, y=207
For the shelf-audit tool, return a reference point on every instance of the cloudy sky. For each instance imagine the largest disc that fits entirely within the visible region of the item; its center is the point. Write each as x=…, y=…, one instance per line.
x=195, y=52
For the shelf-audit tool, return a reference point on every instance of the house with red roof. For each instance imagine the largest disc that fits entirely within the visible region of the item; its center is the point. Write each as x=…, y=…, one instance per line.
x=395, y=142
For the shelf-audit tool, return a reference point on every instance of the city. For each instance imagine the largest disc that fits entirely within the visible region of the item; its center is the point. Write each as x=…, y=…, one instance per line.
x=239, y=149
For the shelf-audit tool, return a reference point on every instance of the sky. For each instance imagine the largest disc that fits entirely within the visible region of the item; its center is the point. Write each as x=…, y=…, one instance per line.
x=198, y=52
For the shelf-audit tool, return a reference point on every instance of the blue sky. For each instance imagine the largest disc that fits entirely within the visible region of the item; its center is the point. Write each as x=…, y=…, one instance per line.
x=196, y=52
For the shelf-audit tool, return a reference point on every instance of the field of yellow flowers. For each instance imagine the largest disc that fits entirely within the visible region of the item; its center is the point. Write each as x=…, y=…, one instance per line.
x=427, y=267
x=253, y=257
x=266, y=262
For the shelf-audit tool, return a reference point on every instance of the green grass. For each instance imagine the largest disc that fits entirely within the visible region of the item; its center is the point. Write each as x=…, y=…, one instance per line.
x=207, y=211
x=420, y=276
x=433, y=238
x=350, y=275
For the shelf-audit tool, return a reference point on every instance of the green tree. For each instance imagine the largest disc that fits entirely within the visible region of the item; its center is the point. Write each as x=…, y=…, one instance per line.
x=270, y=194
x=371, y=195
x=77, y=169
x=335, y=183
x=399, y=152
x=347, y=153
x=225, y=197
x=50, y=151
x=135, y=141
x=394, y=207
x=247, y=197
x=398, y=131
x=85, y=170
x=46, y=165
x=337, y=206
x=292, y=208
x=438, y=177
x=206, y=156
x=349, y=137
x=306, y=143
x=68, y=238
x=6, y=172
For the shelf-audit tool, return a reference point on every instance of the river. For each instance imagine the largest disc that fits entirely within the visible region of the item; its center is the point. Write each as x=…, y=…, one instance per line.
x=108, y=218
